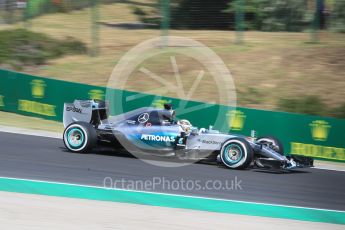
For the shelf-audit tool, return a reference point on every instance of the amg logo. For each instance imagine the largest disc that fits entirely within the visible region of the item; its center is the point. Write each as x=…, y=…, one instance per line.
x=148, y=137
x=210, y=142
x=73, y=109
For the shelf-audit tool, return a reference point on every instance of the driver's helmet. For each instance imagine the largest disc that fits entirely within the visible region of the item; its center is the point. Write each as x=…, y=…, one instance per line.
x=168, y=114
x=185, y=125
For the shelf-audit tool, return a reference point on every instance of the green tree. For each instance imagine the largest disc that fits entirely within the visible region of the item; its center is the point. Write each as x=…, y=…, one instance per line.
x=200, y=14
x=250, y=10
x=274, y=15
x=9, y=9
x=284, y=15
x=338, y=16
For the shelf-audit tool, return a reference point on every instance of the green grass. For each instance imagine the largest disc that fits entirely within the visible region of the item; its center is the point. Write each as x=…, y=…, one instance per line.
x=15, y=120
x=20, y=48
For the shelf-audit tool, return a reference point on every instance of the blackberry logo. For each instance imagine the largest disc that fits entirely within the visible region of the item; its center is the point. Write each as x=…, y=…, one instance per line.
x=211, y=142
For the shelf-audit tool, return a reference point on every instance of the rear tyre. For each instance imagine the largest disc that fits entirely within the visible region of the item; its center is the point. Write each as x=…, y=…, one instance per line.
x=236, y=153
x=273, y=143
x=80, y=137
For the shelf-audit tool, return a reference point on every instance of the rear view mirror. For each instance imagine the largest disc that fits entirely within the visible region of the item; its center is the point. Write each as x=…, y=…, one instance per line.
x=194, y=131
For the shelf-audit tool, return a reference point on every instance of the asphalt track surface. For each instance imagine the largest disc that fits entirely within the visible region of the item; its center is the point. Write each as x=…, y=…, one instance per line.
x=40, y=158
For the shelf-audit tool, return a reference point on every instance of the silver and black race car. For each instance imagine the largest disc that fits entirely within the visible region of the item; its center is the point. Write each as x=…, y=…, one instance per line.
x=155, y=132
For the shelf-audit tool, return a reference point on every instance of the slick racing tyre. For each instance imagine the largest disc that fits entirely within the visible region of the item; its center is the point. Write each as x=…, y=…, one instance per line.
x=236, y=153
x=272, y=143
x=80, y=137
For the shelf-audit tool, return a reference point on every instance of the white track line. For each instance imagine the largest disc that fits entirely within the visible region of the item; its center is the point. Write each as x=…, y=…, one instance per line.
x=175, y=195
x=330, y=169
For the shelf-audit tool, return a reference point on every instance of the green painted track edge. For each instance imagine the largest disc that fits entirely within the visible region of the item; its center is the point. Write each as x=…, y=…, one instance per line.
x=171, y=201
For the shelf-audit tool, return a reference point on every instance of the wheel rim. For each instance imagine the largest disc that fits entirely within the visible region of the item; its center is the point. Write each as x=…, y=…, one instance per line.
x=233, y=153
x=75, y=137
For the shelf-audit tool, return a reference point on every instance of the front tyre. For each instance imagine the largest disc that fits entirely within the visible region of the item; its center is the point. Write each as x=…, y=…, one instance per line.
x=80, y=137
x=236, y=153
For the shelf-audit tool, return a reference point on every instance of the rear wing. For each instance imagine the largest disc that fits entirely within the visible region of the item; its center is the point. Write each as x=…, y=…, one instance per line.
x=91, y=111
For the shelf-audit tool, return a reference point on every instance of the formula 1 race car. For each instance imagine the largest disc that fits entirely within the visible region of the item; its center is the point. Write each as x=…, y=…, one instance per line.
x=156, y=132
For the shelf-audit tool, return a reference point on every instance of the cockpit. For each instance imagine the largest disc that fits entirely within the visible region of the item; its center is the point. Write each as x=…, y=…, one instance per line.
x=168, y=117
x=148, y=117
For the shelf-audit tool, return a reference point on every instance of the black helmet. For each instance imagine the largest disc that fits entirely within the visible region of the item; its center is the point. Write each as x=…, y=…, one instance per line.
x=167, y=114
